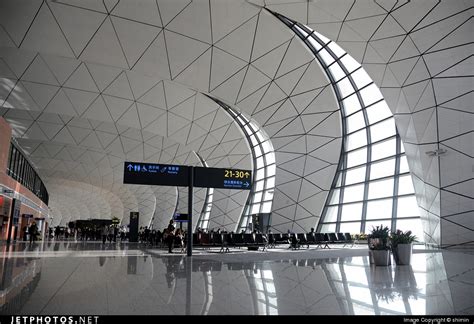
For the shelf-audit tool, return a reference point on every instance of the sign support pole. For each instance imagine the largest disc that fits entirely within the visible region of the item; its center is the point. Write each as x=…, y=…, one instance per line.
x=190, y=211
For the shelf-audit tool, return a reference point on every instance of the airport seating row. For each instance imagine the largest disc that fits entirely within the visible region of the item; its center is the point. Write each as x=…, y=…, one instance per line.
x=254, y=241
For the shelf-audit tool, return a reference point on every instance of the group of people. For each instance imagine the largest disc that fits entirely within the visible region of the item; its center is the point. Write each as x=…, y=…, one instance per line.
x=170, y=236
x=109, y=233
x=32, y=231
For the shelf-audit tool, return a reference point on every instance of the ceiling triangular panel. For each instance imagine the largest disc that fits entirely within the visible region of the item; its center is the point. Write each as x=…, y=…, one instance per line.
x=293, y=127
x=185, y=109
x=35, y=133
x=134, y=38
x=154, y=61
x=289, y=81
x=193, y=21
x=92, y=5
x=312, y=120
x=182, y=51
x=329, y=127
x=80, y=99
x=154, y=97
x=105, y=48
x=62, y=67
x=79, y=122
x=176, y=122
x=91, y=141
x=223, y=67
x=144, y=11
x=78, y=25
x=389, y=28
x=103, y=75
x=254, y=80
x=273, y=95
x=140, y=84
x=18, y=61
x=16, y=17
x=49, y=129
x=129, y=144
x=270, y=62
x=120, y=88
x=39, y=72
x=50, y=118
x=117, y=106
x=239, y=41
x=170, y=9
x=64, y=137
x=98, y=111
x=307, y=101
x=130, y=118
x=81, y=79
x=176, y=94
x=41, y=93
x=148, y=114
x=270, y=34
x=44, y=35
x=284, y=112
x=230, y=88
x=79, y=133
x=60, y=104
x=295, y=56
x=387, y=47
x=197, y=74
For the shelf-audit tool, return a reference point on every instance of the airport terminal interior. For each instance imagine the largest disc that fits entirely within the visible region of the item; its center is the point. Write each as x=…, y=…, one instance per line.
x=236, y=157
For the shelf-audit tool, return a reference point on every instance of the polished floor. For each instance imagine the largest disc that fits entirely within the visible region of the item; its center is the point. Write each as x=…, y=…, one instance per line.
x=91, y=278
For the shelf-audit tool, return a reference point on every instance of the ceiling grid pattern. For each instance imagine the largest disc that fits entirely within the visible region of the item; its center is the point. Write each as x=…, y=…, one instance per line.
x=101, y=81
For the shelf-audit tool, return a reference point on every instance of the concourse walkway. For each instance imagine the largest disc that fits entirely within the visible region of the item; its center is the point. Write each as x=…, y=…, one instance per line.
x=67, y=277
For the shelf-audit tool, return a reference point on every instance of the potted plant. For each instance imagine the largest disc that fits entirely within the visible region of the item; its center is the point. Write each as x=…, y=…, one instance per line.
x=360, y=238
x=402, y=246
x=379, y=248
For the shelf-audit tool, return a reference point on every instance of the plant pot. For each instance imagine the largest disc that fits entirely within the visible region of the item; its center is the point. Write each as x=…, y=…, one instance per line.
x=402, y=254
x=381, y=257
x=380, y=278
x=404, y=278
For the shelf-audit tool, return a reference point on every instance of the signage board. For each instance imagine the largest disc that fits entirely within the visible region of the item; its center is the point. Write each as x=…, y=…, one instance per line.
x=178, y=175
x=222, y=178
x=155, y=174
x=180, y=217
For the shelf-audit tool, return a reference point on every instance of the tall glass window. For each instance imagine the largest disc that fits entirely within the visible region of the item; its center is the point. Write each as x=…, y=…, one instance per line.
x=20, y=169
x=264, y=167
x=203, y=221
x=373, y=184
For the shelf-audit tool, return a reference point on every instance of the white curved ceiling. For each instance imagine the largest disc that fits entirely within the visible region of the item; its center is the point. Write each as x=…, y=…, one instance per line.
x=118, y=79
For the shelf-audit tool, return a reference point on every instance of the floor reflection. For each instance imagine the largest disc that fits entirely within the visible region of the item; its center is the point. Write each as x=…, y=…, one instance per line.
x=153, y=284
x=19, y=278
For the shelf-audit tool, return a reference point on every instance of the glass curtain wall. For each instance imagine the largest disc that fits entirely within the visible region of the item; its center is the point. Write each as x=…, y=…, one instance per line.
x=203, y=221
x=264, y=168
x=373, y=185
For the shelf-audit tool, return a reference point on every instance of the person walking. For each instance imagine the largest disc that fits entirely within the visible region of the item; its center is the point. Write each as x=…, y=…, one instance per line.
x=33, y=230
x=170, y=236
x=104, y=233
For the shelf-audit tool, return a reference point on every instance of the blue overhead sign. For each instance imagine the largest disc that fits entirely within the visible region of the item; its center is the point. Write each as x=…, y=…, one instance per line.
x=178, y=175
x=222, y=178
x=155, y=174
